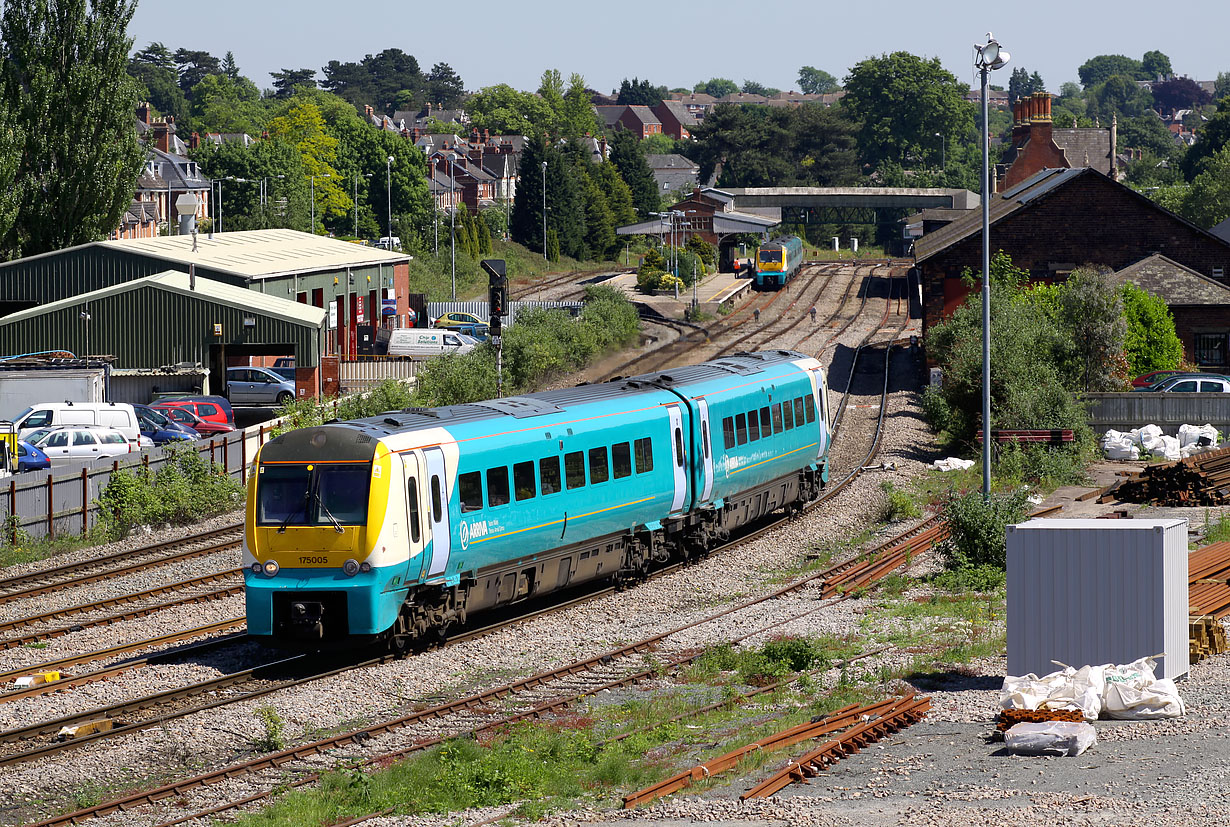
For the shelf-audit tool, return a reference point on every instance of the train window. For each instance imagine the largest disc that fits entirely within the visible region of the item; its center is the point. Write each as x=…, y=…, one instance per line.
x=777, y=418
x=644, y=455
x=437, y=508
x=598, y=465
x=704, y=437
x=753, y=425
x=741, y=428
x=523, y=480
x=765, y=427
x=679, y=447
x=621, y=460
x=728, y=432
x=798, y=411
x=788, y=414
x=412, y=497
x=548, y=474
x=497, y=486
x=574, y=469
x=470, y=490
x=809, y=402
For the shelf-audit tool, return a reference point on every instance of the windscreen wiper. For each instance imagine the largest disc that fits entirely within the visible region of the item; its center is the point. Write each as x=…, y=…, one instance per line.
x=290, y=516
x=321, y=504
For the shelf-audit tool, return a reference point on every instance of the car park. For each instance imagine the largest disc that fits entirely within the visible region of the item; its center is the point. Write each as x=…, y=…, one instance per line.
x=204, y=427
x=466, y=323
x=162, y=429
x=257, y=386
x=30, y=458
x=1192, y=383
x=118, y=415
x=78, y=443
x=212, y=408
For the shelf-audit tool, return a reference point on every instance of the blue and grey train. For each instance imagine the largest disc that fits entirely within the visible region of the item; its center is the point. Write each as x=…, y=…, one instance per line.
x=777, y=262
x=395, y=527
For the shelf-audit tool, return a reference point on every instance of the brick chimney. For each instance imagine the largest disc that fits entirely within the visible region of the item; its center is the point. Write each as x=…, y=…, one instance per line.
x=195, y=141
x=143, y=112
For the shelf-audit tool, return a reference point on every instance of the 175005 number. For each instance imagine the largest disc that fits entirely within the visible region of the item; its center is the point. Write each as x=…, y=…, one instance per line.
x=303, y=558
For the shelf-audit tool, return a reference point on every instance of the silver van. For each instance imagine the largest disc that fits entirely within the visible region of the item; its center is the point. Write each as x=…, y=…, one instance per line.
x=118, y=415
x=410, y=341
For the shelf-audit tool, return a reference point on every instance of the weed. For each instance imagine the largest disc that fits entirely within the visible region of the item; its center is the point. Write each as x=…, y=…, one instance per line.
x=1219, y=531
x=897, y=504
x=273, y=737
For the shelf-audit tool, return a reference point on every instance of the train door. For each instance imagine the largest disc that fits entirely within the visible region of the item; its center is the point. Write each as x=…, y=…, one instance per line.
x=417, y=507
x=706, y=448
x=437, y=512
x=820, y=394
x=678, y=455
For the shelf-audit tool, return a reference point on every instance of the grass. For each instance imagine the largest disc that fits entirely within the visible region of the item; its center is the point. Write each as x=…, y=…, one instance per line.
x=1216, y=531
x=29, y=550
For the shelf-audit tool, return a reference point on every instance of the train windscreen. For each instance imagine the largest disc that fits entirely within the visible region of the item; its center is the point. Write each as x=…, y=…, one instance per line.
x=771, y=256
x=312, y=495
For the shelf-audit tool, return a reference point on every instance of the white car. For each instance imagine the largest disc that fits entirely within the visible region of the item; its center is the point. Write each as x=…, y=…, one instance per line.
x=77, y=444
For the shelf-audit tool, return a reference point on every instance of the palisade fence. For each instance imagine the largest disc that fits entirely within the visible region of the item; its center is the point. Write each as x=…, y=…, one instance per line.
x=361, y=373
x=48, y=504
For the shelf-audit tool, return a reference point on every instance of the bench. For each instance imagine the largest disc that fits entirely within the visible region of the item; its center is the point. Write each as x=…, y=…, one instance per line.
x=1046, y=436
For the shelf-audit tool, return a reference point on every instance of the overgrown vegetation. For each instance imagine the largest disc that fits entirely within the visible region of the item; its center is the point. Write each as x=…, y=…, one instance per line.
x=185, y=489
x=272, y=737
x=977, y=528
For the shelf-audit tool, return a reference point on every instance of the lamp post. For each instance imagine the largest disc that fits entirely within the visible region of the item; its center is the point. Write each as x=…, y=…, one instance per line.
x=544, y=210
x=388, y=168
x=265, y=194
x=452, y=219
x=943, y=151
x=989, y=57
x=85, y=317
x=355, y=199
x=314, y=177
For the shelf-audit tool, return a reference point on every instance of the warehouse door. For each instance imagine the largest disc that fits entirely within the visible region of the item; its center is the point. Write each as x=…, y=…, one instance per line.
x=437, y=502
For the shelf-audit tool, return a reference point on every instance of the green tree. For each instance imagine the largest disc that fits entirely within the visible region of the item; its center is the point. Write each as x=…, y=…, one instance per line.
x=377, y=80
x=902, y=101
x=505, y=111
x=565, y=201
x=577, y=117
x=1117, y=96
x=1145, y=132
x=273, y=161
x=229, y=67
x=716, y=87
x=444, y=86
x=628, y=156
x=1150, y=341
x=303, y=126
x=288, y=80
x=11, y=141
x=1212, y=136
x=1155, y=65
x=813, y=81
x=154, y=68
x=194, y=66
x=1207, y=201
x=1099, y=69
x=751, y=87
x=220, y=104
x=618, y=195
x=1221, y=88
x=71, y=101
x=638, y=92
x=1091, y=312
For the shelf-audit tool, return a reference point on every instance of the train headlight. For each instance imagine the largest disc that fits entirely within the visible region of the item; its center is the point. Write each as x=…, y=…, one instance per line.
x=350, y=568
x=365, y=567
x=256, y=568
x=271, y=567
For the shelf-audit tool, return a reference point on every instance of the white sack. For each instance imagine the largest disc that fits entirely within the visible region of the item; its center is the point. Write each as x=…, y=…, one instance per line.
x=1066, y=689
x=1167, y=447
x=952, y=464
x=1051, y=738
x=1133, y=694
x=1120, y=450
x=1204, y=436
x=1139, y=435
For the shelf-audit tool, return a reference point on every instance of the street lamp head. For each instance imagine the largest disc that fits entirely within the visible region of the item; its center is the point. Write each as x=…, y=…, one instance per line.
x=390, y=159
x=544, y=166
x=990, y=55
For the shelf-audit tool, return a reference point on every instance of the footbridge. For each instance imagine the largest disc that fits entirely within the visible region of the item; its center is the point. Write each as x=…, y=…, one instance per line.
x=882, y=206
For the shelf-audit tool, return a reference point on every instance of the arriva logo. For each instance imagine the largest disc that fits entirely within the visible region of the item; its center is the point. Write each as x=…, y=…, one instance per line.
x=477, y=529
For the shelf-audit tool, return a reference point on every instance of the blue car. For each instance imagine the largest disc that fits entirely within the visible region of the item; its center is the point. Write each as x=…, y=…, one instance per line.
x=160, y=428
x=30, y=458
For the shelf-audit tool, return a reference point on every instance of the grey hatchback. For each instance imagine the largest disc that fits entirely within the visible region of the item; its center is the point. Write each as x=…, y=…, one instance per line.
x=257, y=386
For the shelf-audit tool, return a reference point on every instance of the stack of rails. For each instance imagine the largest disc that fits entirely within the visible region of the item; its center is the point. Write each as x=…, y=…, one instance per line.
x=1203, y=479
x=1208, y=584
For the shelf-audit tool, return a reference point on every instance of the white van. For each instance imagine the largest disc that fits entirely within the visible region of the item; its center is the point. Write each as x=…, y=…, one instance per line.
x=118, y=415
x=409, y=341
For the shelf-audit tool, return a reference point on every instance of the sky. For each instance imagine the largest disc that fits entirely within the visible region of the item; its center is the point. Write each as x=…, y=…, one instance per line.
x=685, y=42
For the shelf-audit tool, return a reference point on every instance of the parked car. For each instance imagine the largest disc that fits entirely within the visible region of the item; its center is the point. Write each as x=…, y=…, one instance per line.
x=257, y=386
x=1192, y=383
x=212, y=408
x=204, y=427
x=30, y=458
x=83, y=442
x=160, y=428
x=466, y=323
x=1153, y=377
x=119, y=415
x=410, y=341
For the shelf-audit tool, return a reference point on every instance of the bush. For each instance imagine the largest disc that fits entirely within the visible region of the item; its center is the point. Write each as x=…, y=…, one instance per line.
x=1042, y=465
x=648, y=278
x=1151, y=342
x=977, y=528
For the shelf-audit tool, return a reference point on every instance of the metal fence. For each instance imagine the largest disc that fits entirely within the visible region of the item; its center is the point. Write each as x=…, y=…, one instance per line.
x=1125, y=411
x=361, y=373
x=47, y=504
x=479, y=308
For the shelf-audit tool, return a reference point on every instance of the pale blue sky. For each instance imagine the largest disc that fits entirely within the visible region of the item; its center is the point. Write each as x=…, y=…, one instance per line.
x=683, y=42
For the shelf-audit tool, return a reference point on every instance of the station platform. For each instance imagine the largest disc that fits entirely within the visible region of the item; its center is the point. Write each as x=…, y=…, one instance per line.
x=712, y=292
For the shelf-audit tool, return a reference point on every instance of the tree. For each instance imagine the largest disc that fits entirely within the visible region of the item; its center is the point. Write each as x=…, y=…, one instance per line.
x=716, y=87
x=229, y=67
x=1155, y=65
x=1207, y=201
x=444, y=86
x=1117, y=96
x=303, y=126
x=1221, y=88
x=1212, y=136
x=378, y=78
x=155, y=54
x=1150, y=341
x=286, y=188
x=902, y=101
x=1091, y=312
x=1146, y=132
x=628, y=156
x=219, y=104
x=813, y=81
x=70, y=103
x=195, y=66
x=751, y=87
x=640, y=93
x=1179, y=93
x=577, y=118
x=506, y=111
x=1021, y=85
x=154, y=68
x=1099, y=69
x=287, y=80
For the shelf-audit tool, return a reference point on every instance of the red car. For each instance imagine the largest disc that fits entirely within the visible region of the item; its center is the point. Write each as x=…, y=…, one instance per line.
x=211, y=408
x=1153, y=378
x=184, y=416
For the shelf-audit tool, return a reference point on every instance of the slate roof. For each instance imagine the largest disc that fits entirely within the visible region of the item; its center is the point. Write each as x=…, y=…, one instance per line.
x=1081, y=144
x=1222, y=230
x=1176, y=284
x=643, y=114
x=610, y=114
x=680, y=112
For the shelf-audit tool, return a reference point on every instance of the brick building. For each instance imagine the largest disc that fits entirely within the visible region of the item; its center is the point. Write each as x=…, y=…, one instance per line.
x=1037, y=144
x=1200, y=306
x=1054, y=222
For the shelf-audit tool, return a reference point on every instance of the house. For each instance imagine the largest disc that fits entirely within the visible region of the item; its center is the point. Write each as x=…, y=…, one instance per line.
x=1037, y=144
x=1054, y=222
x=166, y=175
x=743, y=97
x=697, y=103
x=1200, y=306
x=640, y=120
x=996, y=98
x=677, y=120
x=673, y=173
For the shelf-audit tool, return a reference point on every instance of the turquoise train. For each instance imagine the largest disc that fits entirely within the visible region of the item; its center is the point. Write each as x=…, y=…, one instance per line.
x=777, y=262
x=396, y=527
